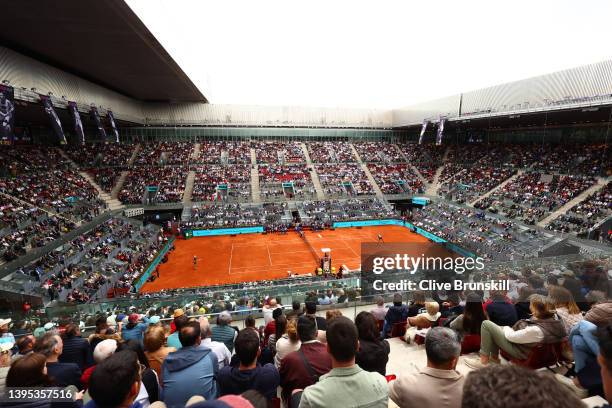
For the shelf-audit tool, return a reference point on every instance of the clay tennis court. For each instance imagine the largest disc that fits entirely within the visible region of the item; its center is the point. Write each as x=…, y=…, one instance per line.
x=251, y=257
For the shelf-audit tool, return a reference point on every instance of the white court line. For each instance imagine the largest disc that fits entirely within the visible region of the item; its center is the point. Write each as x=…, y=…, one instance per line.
x=229, y=268
x=269, y=256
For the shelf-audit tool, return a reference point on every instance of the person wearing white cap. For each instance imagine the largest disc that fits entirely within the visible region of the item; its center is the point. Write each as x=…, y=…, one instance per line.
x=5, y=363
x=5, y=335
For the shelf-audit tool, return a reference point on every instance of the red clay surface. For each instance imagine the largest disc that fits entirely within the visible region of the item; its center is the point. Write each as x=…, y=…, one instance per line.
x=251, y=257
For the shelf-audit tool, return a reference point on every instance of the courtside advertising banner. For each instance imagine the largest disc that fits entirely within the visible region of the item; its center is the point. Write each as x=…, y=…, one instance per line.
x=76, y=120
x=7, y=113
x=111, y=119
x=423, y=129
x=96, y=117
x=56, y=124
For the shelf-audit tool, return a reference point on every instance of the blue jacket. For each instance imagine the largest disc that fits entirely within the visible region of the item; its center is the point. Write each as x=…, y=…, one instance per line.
x=136, y=332
x=187, y=372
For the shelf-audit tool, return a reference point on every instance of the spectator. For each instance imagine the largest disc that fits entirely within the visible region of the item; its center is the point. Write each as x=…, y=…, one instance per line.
x=473, y=315
x=295, y=311
x=223, y=332
x=522, y=303
x=249, y=375
x=270, y=328
x=380, y=311
x=303, y=367
x=373, y=353
x=173, y=340
x=396, y=314
x=519, y=339
x=190, y=370
x=268, y=310
x=223, y=354
x=280, y=328
x=346, y=381
x=437, y=385
x=76, y=349
x=427, y=318
x=134, y=330
x=5, y=363
x=604, y=358
x=155, y=349
x=287, y=343
x=249, y=323
x=311, y=309
x=63, y=374
x=417, y=304
x=5, y=335
x=575, y=287
x=566, y=308
x=500, y=310
x=28, y=371
x=511, y=386
x=103, y=350
x=116, y=381
x=25, y=345
x=149, y=389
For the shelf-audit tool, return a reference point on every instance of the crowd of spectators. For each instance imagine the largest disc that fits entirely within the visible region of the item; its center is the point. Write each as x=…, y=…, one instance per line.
x=168, y=180
x=378, y=152
x=309, y=357
x=279, y=152
x=584, y=215
x=224, y=152
x=215, y=182
x=100, y=154
x=24, y=227
x=164, y=153
x=396, y=178
x=64, y=192
x=343, y=179
x=488, y=236
x=329, y=211
x=426, y=158
x=213, y=215
x=330, y=152
x=532, y=196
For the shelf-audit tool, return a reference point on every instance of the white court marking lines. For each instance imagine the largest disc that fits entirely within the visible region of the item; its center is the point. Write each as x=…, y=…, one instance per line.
x=229, y=268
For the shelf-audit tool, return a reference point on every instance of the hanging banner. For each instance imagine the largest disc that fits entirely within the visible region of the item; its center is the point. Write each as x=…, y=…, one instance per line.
x=56, y=124
x=7, y=113
x=440, y=131
x=76, y=120
x=96, y=118
x=423, y=129
x=111, y=119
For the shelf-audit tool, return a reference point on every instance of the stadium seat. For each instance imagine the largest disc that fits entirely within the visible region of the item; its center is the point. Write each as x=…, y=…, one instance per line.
x=398, y=329
x=540, y=356
x=470, y=343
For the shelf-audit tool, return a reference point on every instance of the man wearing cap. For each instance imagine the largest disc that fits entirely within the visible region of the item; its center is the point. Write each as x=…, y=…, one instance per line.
x=134, y=330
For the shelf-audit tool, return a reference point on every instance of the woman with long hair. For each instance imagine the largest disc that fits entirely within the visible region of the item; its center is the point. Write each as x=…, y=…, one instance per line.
x=287, y=343
x=373, y=353
x=29, y=371
x=279, y=330
x=567, y=309
x=155, y=348
x=473, y=315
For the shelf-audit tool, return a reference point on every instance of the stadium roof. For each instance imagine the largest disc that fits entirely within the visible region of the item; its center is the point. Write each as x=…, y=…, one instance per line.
x=102, y=41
